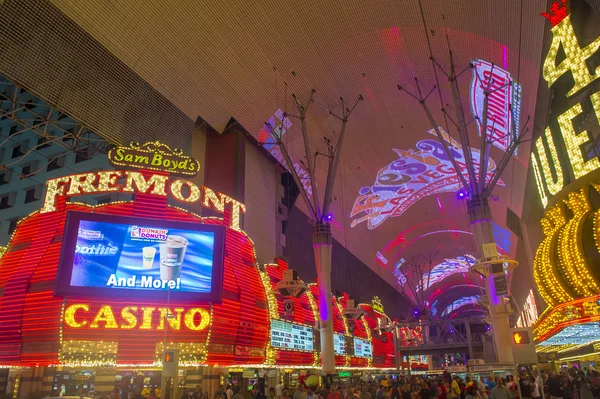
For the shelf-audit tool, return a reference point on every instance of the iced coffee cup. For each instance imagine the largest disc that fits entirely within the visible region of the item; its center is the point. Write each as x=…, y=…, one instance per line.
x=148, y=254
x=172, y=252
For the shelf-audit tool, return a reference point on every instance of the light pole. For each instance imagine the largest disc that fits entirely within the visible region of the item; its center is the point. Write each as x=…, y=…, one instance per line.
x=478, y=187
x=319, y=213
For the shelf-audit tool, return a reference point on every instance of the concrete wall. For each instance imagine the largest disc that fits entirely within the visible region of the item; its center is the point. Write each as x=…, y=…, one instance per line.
x=262, y=199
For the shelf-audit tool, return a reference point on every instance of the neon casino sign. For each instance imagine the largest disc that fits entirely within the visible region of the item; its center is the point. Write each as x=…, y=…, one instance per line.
x=83, y=315
x=549, y=175
x=414, y=175
x=504, y=102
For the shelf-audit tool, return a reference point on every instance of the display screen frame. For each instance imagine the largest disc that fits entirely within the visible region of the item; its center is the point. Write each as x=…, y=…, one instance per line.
x=364, y=342
x=63, y=287
x=297, y=325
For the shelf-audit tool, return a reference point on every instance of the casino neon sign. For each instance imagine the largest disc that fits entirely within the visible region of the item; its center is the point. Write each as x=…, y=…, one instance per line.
x=549, y=175
x=82, y=315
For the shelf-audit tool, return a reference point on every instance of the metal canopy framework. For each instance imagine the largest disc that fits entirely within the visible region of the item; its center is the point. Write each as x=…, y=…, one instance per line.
x=51, y=126
x=155, y=66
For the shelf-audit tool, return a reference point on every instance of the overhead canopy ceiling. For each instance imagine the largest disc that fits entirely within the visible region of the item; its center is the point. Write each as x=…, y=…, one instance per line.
x=243, y=59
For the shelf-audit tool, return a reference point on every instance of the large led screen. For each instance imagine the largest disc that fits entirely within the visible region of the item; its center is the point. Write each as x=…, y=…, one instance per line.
x=106, y=255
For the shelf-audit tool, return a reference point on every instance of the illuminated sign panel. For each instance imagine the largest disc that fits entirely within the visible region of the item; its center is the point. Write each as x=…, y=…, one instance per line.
x=286, y=335
x=106, y=255
x=504, y=102
x=547, y=163
x=377, y=305
x=529, y=314
x=413, y=176
x=339, y=344
x=154, y=156
x=362, y=348
x=128, y=181
x=85, y=315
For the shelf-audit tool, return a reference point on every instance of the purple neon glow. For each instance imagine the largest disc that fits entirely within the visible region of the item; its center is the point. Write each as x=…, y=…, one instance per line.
x=504, y=57
x=494, y=298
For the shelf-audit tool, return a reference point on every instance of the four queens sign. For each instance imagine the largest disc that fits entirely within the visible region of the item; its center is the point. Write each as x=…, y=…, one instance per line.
x=504, y=91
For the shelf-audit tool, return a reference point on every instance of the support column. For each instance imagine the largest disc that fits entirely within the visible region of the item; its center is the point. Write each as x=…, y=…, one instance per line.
x=3, y=380
x=48, y=381
x=429, y=362
x=193, y=378
x=322, y=243
x=480, y=217
x=104, y=380
x=30, y=382
x=211, y=379
x=397, y=357
x=469, y=338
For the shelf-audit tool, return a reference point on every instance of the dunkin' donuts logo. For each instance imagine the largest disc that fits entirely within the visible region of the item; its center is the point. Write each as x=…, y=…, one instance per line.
x=149, y=232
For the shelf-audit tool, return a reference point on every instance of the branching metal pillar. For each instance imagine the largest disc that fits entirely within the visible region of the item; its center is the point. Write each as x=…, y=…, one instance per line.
x=479, y=187
x=322, y=242
x=322, y=238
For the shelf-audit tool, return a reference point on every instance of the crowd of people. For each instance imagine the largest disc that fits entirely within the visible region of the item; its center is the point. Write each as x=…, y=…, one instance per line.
x=568, y=384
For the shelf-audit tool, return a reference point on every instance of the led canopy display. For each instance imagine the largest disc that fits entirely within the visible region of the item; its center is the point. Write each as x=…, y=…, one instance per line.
x=413, y=176
x=460, y=264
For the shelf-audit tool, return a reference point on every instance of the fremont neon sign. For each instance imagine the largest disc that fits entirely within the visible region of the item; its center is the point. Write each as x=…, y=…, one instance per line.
x=549, y=175
x=80, y=315
x=128, y=181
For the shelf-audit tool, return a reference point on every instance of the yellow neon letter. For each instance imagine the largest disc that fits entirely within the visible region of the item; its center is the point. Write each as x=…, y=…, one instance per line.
x=174, y=322
x=106, y=315
x=554, y=185
x=156, y=182
x=575, y=59
x=147, y=318
x=70, y=315
x=128, y=314
x=236, y=208
x=204, y=319
x=107, y=180
x=54, y=188
x=538, y=179
x=194, y=194
x=574, y=141
x=211, y=197
x=84, y=181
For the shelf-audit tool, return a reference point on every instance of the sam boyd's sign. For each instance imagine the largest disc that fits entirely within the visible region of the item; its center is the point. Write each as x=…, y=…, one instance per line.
x=155, y=156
